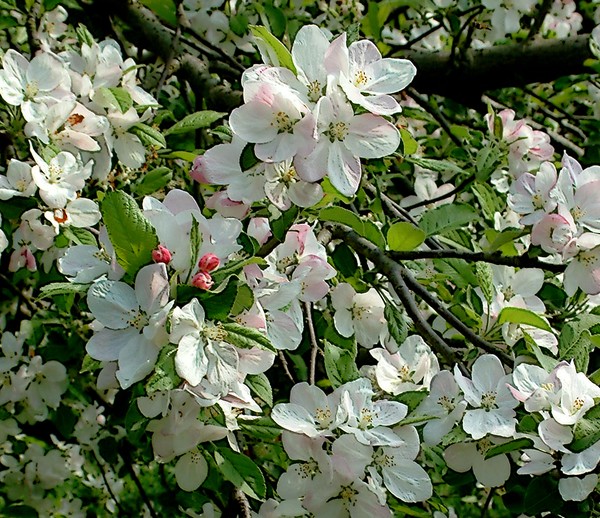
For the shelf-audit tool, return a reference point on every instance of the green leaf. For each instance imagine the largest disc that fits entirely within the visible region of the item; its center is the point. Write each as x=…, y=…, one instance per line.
x=79, y=236
x=271, y=49
x=241, y=472
x=84, y=35
x=575, y=340
x=188, y=156
x=260, y=385
x=115, y=98
x=409, y=144
x=62, y=288
x=447, y=217
x=484, y=274
x=131, y=234
x=165, y=376
x=194, y=121
x=246, y=337
x=507, y=447
x=243, y=300
x=505, y=237
x=153, y=181
x=281, y=225
x=148, y=135
x=362, y=227
x=89, y=364
x=263, y=428
x=586, y=431
x=20, y=511
x=344, y=260
x=486, y=162
x=396, y=323
x=248, y=158
x=277, y=20
x=8, y=21
x=164, y=9
x=523, y=316
x=439, y=166
x=340, y=365
x=542, y=495
x=404, y=236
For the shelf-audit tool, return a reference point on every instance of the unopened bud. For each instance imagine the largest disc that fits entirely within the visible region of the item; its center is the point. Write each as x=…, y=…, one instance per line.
x=208, y=263
x=202, y=280
x=161, y=255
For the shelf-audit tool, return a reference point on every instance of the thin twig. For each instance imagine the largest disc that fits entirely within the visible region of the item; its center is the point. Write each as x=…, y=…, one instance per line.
x=539, y=19
x=108, y=488
x=487, y=502
x=286, y=369
x=313, y=341
x=452, y=319
x=243, y=504
x=418, y=38
x=520, y=261
x=436, y=114
x=441, y=197
x=171, y=56
x=128, y=464
x=399, y=212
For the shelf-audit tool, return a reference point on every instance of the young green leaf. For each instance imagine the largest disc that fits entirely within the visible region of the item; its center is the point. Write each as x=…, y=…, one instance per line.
x=194, y=121
x=131, y=234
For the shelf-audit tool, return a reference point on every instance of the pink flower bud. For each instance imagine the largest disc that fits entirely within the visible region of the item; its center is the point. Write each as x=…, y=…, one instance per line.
x=208, y=263
x=161, y=255
x=202, y=280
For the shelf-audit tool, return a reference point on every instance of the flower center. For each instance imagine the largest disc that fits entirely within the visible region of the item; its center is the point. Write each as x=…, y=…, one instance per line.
x=488, y=400
x=284, y=122
x=314, y=90
x=446, y=403
x=337, y=131
x=31, y=89
x=360, y=79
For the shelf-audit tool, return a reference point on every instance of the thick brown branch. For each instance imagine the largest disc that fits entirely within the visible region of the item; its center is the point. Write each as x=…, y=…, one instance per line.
x=482, y=70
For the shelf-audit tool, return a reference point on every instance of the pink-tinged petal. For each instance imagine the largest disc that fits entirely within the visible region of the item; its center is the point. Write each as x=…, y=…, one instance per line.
x=389, y=75
x=313, y=167
x=79, y=140
x=305, y=194
x=253, y=122
x=255, y=361
x=337, y=57
x=371, y=136
x=152, y=287
x=282, y=147
x=351, y=457
x=363, y=53
x=343, y=169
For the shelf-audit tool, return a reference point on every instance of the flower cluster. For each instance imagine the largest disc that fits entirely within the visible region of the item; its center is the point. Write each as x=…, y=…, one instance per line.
x=301, y=123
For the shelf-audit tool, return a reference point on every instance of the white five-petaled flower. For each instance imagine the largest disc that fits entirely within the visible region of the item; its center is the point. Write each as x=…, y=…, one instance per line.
x=488, y=393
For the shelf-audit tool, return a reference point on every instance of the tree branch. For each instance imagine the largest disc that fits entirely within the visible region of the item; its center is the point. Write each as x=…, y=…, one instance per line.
x=393, y=271
x=520, y=261
x=497, y=67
